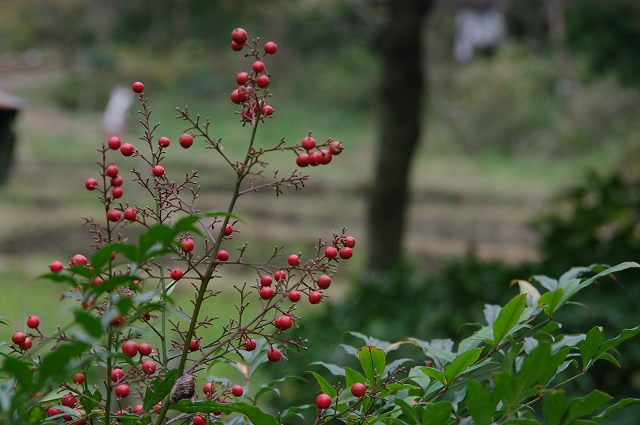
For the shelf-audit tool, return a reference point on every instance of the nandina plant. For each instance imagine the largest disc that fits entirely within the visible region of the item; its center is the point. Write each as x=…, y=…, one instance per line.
x=132, y=356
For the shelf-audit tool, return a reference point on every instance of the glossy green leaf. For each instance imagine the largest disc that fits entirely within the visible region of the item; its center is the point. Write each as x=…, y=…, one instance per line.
x=550, y=301
x=372, y=361
x=480, y=402
x=585, y=406
x=620, y=404
x=509, y=316
x=436, y=374
x=438, y=413
x=20, y=370
x=461, y=363
x=409, y=412
x=554, y=406
x=352, y=376
x=332, y=368
x=90, y=323
x=325, y=386
x=56, y=363
x=589, y=347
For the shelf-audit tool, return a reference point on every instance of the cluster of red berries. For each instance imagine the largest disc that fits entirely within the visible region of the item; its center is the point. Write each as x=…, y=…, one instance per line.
x=23, y=340
x=323, y=401
x=245, y=95
x=317, y=155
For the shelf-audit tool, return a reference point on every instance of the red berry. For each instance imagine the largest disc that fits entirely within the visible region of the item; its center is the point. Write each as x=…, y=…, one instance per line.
x=122, y=390
x=186, y=140
x=265, y=280
x=250, y=344
x=199, y=420
x=302, y=160
x=137, y=87
x=258, y=67
x=157, y=170
x=358, y=389
x=239, y=35
x=324, y=281
x=266, y=292
x=176, y=274
x=315, y=158
x=194, y=345
x=244, y=92
x=237, y=390
x=26, y=344
x=114, y=142
x=235, y=97
x=294, y=296
x=349, y=241
x=114, y=215
x=18, y=337
x=323, y=401
x=79, y=260
x=331, y=252
x=262, y=81
x=127, y=149
x=308, y=143
x=148, y=367
x=33, y=322
x=242, y=78
x=315, y=297
x=207, y=388
x=52, y=411
x=130, y=348
x=325, y=156
x=117, y=192
x=78, y=378
x=187, y=244
x=293, y=260
x=267, y=110
x=130, y=214
x=117, y=375
x=116, y=181
x=235, y=46
x=111, y=170
x=137, y=409
x=335, y=147
x=145, y=349
x=273, y=354
x=157, y=406
x=228, y=230
x=69, y=400
x=164, y=142
x=283, y=322
x=270, y=47
x=346, y=253
x=56, y=267
x=97, y=281
x=91, y=184
x=280, y=275
x=222, y=255
x=116, y=321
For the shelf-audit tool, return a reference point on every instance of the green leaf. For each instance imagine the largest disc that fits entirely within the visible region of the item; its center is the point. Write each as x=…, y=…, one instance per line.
x=522, y=421
x=55, y=363
x=436, y=374
x=534, y=367
x=159, y=389
x=480, y=402
x=461, y=363
x=352, y=376
x=89, y=322
x=508, y=318
x=102, y=256
x=408, y=411
x=333, y=369
x=89, y=400
x=59, y=278
x=554, y=406
x=253, y=413
x=20, y=370
x=589, y=347
x=614, y=408
x=625, y=335
x=372, y=360
x=325, y=386
x=550, y=301
x=438, y=413
x=587, y=405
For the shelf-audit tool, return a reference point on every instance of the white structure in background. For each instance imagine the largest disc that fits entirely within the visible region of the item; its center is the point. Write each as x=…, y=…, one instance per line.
x=477, y=28
x=115, y=115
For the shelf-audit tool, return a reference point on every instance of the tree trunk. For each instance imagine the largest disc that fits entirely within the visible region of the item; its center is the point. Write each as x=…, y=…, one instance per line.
x=399, y=41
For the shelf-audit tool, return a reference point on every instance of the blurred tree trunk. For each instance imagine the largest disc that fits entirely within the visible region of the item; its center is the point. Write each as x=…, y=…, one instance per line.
x=399, y=42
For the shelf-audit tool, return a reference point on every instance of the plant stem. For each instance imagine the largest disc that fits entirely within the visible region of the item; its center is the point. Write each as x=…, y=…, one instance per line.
x=242, y=172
